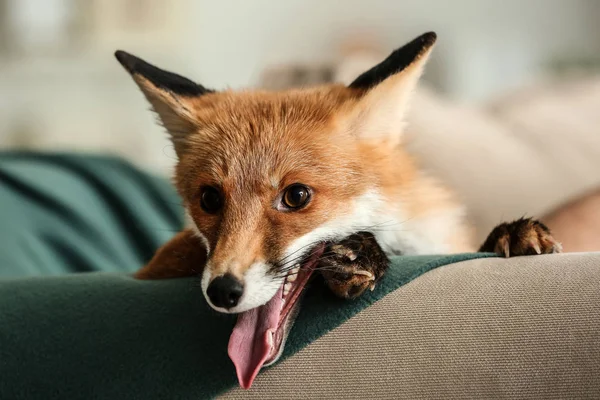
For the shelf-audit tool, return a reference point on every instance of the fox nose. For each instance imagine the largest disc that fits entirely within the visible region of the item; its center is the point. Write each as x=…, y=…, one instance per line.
x=225, y=291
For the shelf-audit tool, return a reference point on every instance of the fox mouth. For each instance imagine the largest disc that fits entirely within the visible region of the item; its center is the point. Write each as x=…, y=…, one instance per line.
x=259, y=336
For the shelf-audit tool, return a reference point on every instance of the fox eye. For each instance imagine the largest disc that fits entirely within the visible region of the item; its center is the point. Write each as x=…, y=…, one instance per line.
x=295, y=196
x=210, y=201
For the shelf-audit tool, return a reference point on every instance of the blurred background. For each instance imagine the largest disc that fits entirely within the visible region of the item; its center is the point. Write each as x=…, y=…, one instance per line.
x=508, y=114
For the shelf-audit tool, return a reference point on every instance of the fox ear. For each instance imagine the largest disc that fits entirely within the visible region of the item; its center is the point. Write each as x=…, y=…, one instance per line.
x=388, y=88
x=170, y=95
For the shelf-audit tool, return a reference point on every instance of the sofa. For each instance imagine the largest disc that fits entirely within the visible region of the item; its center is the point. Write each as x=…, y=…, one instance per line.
x=490, y=328
x=75, y=324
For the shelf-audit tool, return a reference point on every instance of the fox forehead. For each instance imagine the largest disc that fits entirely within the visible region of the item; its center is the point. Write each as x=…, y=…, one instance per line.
x=267, y=138
x=284, y=107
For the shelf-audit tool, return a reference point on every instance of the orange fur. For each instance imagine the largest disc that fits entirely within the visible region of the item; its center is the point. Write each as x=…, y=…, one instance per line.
x=342, y=142
x=243, y=139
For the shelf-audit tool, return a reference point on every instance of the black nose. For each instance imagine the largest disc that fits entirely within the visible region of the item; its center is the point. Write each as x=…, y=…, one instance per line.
x=225, y=291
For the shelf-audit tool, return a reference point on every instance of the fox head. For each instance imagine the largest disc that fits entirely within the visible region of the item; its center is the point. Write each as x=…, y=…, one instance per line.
x=265, y=177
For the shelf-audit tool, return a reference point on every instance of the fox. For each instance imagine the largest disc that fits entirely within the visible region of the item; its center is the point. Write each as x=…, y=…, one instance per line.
x=279, y=186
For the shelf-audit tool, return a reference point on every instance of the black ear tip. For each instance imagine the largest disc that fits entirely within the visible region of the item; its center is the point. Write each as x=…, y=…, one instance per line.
x=428, y=38
x=396, y=62
x=127, y=60
x=160, y=78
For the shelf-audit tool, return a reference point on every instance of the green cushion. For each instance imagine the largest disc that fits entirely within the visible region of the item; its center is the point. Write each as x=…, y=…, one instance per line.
x=105, y=334
x=73, y=213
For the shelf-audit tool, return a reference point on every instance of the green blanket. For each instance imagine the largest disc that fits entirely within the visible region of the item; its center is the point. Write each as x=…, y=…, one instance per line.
x=103, y=334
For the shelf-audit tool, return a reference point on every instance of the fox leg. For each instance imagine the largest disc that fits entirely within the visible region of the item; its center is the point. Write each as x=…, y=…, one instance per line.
x=353, y=264
x=522, y=237
x=184, y=255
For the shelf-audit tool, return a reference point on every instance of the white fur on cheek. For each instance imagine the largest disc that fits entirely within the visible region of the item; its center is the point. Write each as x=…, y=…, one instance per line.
x=395, y=232
x=259, y=288
x=415, y=236
x=361, y=216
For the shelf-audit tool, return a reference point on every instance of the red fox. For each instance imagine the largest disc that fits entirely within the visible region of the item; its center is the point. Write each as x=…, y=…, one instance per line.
x=278, y=185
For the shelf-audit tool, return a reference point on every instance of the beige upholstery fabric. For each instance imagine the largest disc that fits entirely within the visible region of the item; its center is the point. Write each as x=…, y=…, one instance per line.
x=576, y=225
x=531, y=155
x=490, y=328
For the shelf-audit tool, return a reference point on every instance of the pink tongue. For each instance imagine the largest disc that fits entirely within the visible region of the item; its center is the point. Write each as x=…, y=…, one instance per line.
x=251, y=341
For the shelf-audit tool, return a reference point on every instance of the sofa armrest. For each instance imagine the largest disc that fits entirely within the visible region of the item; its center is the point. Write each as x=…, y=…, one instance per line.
x=525, y=327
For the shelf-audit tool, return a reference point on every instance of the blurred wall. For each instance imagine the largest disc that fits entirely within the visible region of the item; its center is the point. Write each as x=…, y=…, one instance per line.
x=485, y=46
x=60, y=86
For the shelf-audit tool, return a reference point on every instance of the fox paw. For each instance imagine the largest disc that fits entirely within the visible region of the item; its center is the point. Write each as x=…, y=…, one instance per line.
x=522, y=237
x=353, y=265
